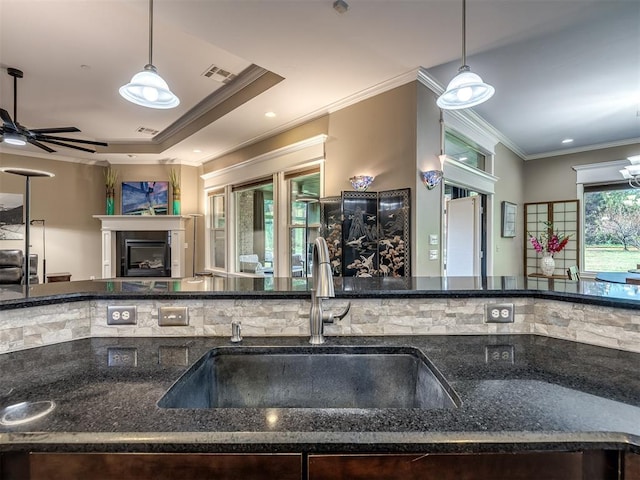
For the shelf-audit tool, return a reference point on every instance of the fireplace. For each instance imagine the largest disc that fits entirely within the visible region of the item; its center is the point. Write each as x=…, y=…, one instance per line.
x=144, y=254
x=165, y=228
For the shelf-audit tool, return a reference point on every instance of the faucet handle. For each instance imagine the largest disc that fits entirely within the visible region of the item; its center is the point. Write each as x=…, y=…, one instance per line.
x=236, y=331
x=330, y=317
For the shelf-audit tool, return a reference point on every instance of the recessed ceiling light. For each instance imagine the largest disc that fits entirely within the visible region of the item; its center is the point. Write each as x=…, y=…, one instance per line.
x=462, y=159
x=567, y=140
x=270, y=114
x=197, y=150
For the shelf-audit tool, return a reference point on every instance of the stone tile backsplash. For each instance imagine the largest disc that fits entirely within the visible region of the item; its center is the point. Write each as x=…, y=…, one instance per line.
x=605, y=326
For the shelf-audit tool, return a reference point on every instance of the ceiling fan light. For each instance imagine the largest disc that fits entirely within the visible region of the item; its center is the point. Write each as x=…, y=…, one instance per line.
x=149, y=89
x=14, y=138
x=465, y=90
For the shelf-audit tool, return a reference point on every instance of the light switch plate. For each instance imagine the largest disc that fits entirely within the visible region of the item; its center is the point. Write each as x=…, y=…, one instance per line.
x=433, y=239
x=173, y=316
x=433, y=254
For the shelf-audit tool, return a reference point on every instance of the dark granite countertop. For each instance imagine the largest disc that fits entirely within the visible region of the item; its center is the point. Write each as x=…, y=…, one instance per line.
x=222, y=287
x=554, y=395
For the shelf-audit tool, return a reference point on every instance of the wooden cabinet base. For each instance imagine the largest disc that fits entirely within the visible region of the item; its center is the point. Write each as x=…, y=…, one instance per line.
x=499, y=466
x=632, y=466
x=130, y=466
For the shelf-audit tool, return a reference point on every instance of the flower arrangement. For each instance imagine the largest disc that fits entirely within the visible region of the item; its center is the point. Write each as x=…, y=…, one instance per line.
x=110, y=178
x=549, y=241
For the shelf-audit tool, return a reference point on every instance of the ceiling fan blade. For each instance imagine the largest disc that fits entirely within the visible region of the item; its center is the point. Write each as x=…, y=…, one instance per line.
x=55, y=142
x=6, y=119
x=46, y=138
x=40, y=145
x=55, y=130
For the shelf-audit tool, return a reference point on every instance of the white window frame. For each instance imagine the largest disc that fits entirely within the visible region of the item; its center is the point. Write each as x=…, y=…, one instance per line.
x=277, y=163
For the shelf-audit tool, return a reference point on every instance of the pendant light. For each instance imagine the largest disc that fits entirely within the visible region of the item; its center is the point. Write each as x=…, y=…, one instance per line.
x=147, y=88
x=467, y=88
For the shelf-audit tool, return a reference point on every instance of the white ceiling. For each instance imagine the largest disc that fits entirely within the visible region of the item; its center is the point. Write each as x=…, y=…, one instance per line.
x=561, y=68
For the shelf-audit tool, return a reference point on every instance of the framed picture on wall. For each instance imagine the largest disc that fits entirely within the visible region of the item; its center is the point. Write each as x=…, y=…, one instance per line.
x=509, y=213
x=145, y=198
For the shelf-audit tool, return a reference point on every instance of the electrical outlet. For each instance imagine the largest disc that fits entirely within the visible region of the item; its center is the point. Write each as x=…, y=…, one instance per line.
x=173, y=316
x=499, y=313
x=122, y=357
x=499, y=354
x=121, y=315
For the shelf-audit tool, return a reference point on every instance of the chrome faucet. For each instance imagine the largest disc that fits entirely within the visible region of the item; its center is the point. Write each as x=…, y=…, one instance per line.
x=322, y=289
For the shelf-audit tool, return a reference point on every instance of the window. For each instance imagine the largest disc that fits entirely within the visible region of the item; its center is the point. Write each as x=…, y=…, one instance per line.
x=254, y=226
x=463, y=151
x=217, y=232
x=611, y=228
x=564, y=217
x=304, y=221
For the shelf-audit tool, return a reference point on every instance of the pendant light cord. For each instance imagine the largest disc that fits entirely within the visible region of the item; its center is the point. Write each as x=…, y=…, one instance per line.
x=464, y=32
x=150, y=32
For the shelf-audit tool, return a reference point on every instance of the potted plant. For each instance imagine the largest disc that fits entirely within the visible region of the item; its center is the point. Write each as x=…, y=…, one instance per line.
x=548, y=243
x=110, y=179
x=174, y=180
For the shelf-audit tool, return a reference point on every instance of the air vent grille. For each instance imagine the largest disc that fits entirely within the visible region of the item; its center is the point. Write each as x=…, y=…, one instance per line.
x=147, y=131
x=219, y=74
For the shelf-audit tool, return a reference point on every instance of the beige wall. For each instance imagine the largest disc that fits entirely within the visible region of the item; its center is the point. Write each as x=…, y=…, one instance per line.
x=374, y=137
x=552, y=178
x=66, y=202
x=508, y=252
x=428, y=203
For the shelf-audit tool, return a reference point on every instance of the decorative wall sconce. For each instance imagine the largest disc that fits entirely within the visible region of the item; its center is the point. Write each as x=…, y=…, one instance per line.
x=431, y=179
x=360, y=183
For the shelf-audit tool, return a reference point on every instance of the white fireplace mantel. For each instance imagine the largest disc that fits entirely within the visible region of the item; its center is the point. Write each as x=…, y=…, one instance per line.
x=174, y=224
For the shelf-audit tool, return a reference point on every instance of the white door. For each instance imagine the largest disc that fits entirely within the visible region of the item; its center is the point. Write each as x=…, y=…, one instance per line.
x=463, y=234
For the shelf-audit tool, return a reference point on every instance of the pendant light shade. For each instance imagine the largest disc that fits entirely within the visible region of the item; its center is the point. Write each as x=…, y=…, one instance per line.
x=147, y=88
x=466, y=89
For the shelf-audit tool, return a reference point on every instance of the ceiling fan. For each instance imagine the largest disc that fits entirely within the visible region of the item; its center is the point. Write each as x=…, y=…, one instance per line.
x=15, y=134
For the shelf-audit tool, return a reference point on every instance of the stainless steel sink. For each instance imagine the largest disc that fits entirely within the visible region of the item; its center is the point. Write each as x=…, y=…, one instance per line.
x=311, y=377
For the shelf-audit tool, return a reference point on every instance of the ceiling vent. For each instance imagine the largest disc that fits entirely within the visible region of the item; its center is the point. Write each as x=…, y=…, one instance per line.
x=218, y=74
x=147, y=131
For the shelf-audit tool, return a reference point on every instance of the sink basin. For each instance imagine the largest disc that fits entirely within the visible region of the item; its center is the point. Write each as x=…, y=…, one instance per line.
x=311, y=377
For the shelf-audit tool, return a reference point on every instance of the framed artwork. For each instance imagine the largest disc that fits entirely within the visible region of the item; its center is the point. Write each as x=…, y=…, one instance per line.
x=360, y=234
x=145, y=198
x=395, y=239
x=11, y=216
x=331, y=229
x=509, y=213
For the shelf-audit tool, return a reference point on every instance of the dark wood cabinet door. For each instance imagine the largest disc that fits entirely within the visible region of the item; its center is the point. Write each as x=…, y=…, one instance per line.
x=520, y=466
x=166, y=466
x=631, y=466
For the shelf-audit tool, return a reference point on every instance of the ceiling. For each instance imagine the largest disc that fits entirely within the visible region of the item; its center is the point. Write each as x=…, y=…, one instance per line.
x=561, y=68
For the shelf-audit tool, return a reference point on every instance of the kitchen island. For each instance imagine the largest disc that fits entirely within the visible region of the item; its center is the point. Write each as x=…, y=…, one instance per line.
x=519, y=393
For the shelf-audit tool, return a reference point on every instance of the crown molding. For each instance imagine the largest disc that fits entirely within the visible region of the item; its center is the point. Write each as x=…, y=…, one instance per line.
x=279, y=152
x=588, y=148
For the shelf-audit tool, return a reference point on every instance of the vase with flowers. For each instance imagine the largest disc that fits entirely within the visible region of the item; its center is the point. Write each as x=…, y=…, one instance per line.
x=110, y=179
x=548, y=243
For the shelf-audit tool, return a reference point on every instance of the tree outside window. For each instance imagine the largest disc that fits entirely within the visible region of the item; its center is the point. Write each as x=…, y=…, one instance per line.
x=612, y=229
